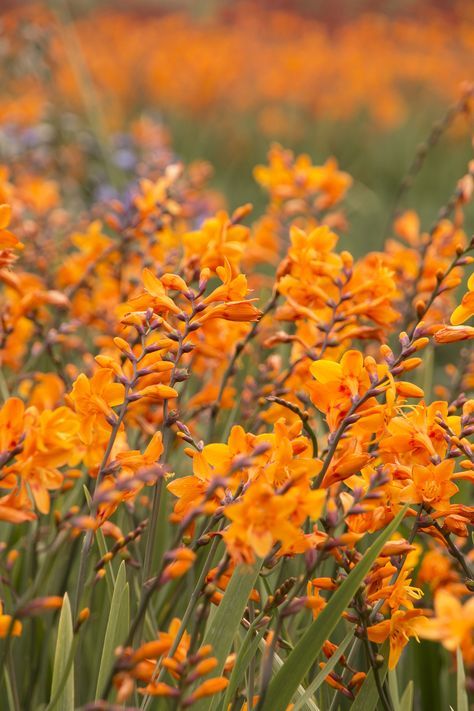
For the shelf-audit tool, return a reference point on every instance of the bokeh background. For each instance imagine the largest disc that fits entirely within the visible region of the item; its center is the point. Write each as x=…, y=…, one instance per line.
x=90, y=89
x=360, y=80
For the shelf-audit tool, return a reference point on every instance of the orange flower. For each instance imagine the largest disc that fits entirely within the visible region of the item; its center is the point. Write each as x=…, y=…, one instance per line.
x=11, y=423
x=287, y=177
x=431, y=485
x=7, y=627
x=466, y=309
x=399, y=594
x=453, y=623
x=339, y=385
x=50, y=443
x=263, y=517
x=93, y=399
x=220, y=238
x=399, y=628
x=16, y=506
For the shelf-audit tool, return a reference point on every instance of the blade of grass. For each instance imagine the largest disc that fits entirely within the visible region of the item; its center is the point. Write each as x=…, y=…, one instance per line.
x=117, y=626
x=225, y=623
x=285, y=683
x=65, y=699
x=278, y=662
x=406, y=702
x=12, y=693
x=320, y=677
x=461, y=693
x=246, y=653
x=100, y=538
x=393, y=686
x=368, y=697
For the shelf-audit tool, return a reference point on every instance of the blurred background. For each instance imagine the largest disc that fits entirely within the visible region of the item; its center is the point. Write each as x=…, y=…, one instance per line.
x=220, y=80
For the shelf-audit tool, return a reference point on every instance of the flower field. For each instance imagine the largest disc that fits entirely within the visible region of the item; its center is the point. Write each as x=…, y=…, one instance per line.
x=236, y=373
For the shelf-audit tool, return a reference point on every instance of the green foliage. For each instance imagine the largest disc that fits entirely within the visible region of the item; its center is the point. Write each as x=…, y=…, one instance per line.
x=296, y=666
x=62, y=686
x=117, y=628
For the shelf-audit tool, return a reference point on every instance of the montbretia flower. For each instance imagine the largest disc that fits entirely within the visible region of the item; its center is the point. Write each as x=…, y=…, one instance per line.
x=9, y=626
x=93, y=399
x=402, y=625
x=339, y=385
x=431, y=485
x=453, y=622
x=466, y=309
x=264, y=517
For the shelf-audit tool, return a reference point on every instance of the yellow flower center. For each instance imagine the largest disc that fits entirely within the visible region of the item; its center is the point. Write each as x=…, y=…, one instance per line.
x=431, y=490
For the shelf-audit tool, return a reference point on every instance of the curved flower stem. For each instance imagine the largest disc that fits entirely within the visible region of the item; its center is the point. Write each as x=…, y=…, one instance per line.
x=455, y=552
x=90, y=98
x=304, y=417
x=351, y=657
x=405, y=352
x=159, y=492
x=38, y=582
x=436, y=132
x=345, y=423
x=439, y=285
x=89, y=536
x=239, y=348
x=443, y=214
x=383, y=693
x=186, y=617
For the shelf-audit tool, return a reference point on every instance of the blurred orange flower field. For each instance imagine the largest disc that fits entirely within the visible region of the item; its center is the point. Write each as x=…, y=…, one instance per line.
x=237, y=376
x=171, y=61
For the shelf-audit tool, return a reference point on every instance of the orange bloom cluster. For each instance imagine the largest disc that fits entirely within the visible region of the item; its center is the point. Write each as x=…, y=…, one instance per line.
x=226, y=441
x=293, y=64
x=142, y=665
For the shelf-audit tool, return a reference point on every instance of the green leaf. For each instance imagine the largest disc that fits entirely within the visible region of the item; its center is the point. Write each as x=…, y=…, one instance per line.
x=62, y=657
x=278, y=662
x=10, y=695
x=368, y=697
x=286, y=681
x=320, y=677
x=246, y=653
x=100, y=538
x=116, y=630
x=225, y=623
x=461, y=693
x=393, y=686
x=406, y=702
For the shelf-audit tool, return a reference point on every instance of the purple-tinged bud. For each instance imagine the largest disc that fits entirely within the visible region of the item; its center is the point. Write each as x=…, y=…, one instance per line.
x=182, y=427
x=181, y=375
x=354, y=510
x=310, y=558
x=143, y=371
x=133, y=397
x=357, y=493
x=294, y=607
x=261, y=449
x=153, y=347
